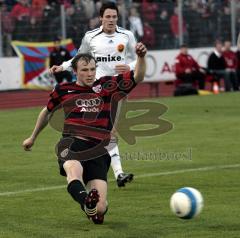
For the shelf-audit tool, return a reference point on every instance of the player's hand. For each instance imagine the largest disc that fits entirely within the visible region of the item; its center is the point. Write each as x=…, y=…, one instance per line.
x=55, y=69
x=27, y=144
x=141, y=49
x=122, y=68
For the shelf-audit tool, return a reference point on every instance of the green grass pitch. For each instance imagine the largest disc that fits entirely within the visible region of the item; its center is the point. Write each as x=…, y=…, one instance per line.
x=34, y=201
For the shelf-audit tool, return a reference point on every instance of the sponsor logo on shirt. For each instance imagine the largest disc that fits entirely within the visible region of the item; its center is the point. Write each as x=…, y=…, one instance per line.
x=108, y=58
x=89, y=105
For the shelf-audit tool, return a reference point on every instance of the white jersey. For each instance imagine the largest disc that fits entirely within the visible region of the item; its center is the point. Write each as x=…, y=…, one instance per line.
x=108, y=50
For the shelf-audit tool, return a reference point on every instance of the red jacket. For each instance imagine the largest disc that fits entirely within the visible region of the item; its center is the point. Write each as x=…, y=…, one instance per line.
x=149, y=11
x=149, y=37
x=174, y=25
x=19, y=11
x=183, y=62
x=230, y=59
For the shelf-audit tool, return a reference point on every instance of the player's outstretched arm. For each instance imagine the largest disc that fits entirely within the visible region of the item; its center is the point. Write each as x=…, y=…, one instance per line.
x=41, y=123
x=140, y=68
x=55, y=69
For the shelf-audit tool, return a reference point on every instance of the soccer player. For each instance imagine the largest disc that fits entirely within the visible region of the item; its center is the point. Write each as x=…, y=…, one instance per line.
x=111, y=46
x=87, y=104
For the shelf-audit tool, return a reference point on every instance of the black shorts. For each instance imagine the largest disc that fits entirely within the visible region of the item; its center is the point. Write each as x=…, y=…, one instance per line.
x=96, y=168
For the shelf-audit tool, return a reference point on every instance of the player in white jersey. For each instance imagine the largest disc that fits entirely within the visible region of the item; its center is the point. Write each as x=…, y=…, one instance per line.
x=112, y=47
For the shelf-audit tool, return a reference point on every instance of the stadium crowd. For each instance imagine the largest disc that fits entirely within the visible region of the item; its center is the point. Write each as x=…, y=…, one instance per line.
x=153, y=22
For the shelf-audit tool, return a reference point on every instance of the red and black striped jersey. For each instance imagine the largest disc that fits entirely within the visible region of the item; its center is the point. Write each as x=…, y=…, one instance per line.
x=90, y=112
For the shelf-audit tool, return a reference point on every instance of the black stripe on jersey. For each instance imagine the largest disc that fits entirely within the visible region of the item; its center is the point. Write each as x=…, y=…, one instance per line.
x=97, y=29
x=120, y=28
x=97, y=34
x=122, y=33
x=90, y=116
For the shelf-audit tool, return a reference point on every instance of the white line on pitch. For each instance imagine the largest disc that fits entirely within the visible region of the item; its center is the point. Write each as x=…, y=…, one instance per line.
x=189, y=170
x=139, y=176
x=32, y=190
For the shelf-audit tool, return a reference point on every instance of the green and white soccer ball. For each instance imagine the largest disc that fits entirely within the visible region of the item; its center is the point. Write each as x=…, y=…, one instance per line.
x=186, y=203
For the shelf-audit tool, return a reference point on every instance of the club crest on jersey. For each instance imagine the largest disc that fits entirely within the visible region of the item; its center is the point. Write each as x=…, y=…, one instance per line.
x=120, y=47
x=97, y=89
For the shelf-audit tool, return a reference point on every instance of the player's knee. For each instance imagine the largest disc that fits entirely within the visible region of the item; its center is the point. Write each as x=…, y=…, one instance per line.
x=72, y=166
x=73, y=170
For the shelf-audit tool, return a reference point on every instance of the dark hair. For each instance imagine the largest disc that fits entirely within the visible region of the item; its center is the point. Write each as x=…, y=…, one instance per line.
x=85, y=57
x=184, y=45
x=108, y=5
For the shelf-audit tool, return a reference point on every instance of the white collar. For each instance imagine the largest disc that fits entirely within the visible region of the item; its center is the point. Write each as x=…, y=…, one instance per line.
x=217, y=53
x=117, y=29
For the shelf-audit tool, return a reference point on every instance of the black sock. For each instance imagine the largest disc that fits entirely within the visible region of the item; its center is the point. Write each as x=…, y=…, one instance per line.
x=77, y=191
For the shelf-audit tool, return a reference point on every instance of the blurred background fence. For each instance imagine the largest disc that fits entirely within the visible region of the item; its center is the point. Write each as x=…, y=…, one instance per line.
x=159, y=24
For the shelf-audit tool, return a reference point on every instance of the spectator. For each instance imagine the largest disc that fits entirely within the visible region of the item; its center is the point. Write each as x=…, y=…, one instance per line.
x=20, y=10
x=7, y=20
x=206, y=24
x=216, y=64
x=33, y=33
x=225, y=23
x=89, y=7
x=76, y=25
x=79, y=7
x=136, y=26
x=93, y=23
x=71, y=24
x=20, y=15
x=188, y=70
x=122, y=16
x=149, y=10
x=57, y=56
x=50, y=12
x=174, y=24
x=194, y=24
x=37, y=8
x=79, y=19
x=149, y=37
x=163, y=30
x=231, y=67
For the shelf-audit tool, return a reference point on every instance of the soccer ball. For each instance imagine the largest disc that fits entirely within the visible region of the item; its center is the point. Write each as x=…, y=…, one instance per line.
x=186, y=203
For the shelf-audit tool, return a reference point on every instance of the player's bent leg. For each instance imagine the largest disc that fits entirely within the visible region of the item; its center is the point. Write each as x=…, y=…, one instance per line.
x=73, y=169
x=91, y=201
x=75, y=187
x=101, y=187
